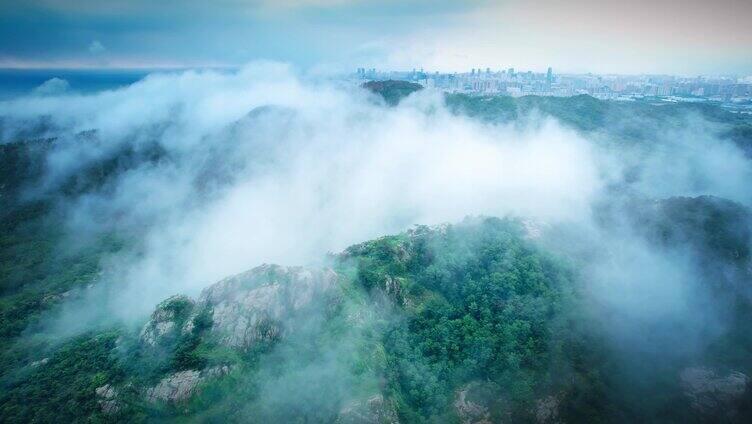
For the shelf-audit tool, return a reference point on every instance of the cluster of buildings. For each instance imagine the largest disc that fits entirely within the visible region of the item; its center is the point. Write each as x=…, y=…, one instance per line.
x=617, y=87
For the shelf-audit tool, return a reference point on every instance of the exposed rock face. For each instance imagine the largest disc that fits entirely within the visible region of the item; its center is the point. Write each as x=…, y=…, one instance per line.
x=107, y=399
x=182, y=385
x=175, y=387
x=260, y=304
x=712, y=394
x=547, y=410
x=469, y=411
x=245, y=308
x=482, y=402
x=40, y=362
x=257, y=304
x=374, y=410
x=392, y=287
x=166, y=319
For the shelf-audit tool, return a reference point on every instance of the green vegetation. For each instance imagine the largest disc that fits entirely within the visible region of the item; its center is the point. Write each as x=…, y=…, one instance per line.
x=62, y=388
x=420, y=317
x=480, y=304
x=621, y=122
x=41, y=262
x=472, y=302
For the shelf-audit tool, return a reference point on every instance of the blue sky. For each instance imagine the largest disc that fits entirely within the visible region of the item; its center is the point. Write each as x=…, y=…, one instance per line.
x=660, y=36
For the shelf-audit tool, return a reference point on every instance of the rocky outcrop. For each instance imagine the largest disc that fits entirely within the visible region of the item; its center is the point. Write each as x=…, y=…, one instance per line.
x=166, y=320
x=392, y=287
x=181, y=385
x=175, y=387
x=374, y=410
x=712, y=395
x=547, y=410
x=474, y=402
x=255, y=305
x=39, y=363
x=107, y=399
x=470, y=411
x=259, y=304
x=482, y=402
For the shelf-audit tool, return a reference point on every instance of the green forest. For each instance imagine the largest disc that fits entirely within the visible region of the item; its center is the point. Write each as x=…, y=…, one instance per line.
x=472, y=321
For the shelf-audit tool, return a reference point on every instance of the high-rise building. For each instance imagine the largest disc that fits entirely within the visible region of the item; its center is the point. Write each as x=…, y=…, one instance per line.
x=550, y=75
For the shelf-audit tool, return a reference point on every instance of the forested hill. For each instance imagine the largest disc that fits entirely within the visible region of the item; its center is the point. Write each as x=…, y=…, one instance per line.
x=468, y=322
x=491, y=319
x=392, y=91
x=636, y=121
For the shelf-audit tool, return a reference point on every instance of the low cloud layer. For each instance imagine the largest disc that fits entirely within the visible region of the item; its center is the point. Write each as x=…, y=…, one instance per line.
x=263, y=165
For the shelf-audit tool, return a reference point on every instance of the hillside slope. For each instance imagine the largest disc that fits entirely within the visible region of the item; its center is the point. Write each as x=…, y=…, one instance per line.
x=457, y=323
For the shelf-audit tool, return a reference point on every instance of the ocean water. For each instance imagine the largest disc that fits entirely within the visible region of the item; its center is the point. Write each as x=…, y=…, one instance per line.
x=20, y=82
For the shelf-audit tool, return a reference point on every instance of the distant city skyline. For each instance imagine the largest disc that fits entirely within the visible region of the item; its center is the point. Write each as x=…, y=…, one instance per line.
x=732, y=93
x=688, y=37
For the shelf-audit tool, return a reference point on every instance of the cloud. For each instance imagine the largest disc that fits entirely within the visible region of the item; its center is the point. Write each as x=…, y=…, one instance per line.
x=96, y=47
x=264, y=165
x=267, y=167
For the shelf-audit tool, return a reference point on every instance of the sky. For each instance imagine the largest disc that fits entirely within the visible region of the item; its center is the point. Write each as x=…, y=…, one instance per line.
x=687, y=37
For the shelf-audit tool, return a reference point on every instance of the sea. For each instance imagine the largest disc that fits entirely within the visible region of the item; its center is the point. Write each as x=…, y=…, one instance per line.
x=20, y=82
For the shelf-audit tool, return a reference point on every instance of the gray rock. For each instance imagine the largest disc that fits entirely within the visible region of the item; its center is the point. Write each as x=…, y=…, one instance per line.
x=166, y=319
x=181, y=385
x=257, y=304
x=245, y=308
x=393, y=288
x=39, y=362
x=107, y=399
x=481, y=402
x=374, y=410
x=547, y=410
x=469, y=411
x=175, y=387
